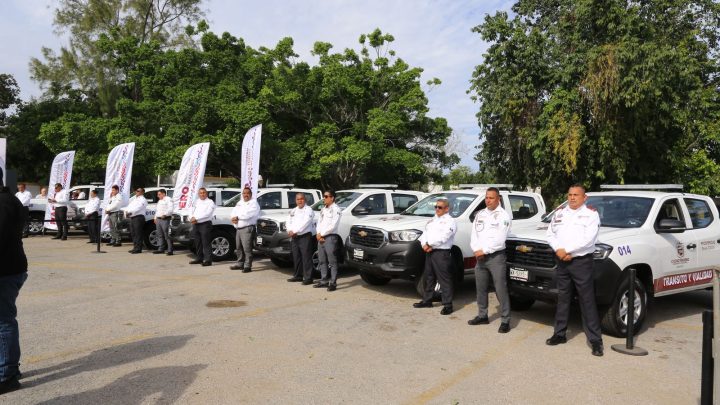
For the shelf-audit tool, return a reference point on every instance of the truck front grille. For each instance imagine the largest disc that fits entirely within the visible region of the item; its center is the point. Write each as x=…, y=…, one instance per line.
x=266, y=227
x=368, y=237
x=526, y=253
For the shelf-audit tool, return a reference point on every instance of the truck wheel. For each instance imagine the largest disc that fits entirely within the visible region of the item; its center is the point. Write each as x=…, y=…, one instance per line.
x=518, y=303
x=280, y=262
x=36, y=224
x=316, y=264
x=151, y=237
x=614, y=320
x=222, y=245
x=373, y=279
x=420, y=288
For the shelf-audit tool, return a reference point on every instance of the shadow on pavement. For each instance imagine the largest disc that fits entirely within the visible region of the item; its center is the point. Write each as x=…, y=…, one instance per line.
x=107, y=357
x=151, y=385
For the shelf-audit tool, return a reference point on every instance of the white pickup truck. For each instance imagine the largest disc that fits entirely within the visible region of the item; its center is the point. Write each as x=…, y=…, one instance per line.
x=671, y=239
x=387, y=248
x=223, y=233
x=357, y=205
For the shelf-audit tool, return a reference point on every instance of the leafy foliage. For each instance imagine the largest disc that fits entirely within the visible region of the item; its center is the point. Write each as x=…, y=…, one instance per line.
x=601, y=91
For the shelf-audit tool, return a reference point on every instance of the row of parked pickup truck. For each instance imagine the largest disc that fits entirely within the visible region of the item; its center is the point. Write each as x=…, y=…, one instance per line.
x=671, y=238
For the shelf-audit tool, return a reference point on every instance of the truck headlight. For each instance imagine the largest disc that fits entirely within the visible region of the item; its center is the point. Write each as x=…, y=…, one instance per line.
x=404, y=236
x=283, y=227
x=186, y=218
x=602, y=251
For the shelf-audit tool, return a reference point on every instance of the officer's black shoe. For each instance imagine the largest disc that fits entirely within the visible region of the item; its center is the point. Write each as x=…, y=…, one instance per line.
x=447, y=310
x=117, y=244
x=247, y=270
x=55, y=237
x=556, y=340
x=504, y=328
x=320, y=285
x=158, y=252
x=63, y=238
x=169, y=253
x=294, y=279
x=332, y=287
x=110, y=244
x=205, y=264
x=196, y=261
x=236, y=267
x=597, y=349
x=479, y=321
x=9, y=385
x=307, y=282
x=422, y=304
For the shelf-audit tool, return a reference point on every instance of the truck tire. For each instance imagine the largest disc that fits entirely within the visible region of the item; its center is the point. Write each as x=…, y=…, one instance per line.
x=151, y=236
x=518, y=303
x=614, y=318
x=222, y=245
x=36, y=226
x=373, y=279
x=280, y=262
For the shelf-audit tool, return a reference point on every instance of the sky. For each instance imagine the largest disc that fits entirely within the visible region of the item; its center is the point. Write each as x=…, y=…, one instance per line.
x=432, y=34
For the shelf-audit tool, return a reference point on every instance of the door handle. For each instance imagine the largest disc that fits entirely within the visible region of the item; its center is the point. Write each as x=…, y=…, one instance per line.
x=691, y=246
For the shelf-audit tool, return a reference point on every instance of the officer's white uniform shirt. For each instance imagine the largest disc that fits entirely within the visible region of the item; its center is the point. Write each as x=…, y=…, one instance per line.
x=203, y=210
x=114, y=203
x=62, y=198
x=24, y=197
x=329, y=220
x=93, y=205
x=81, y=195
x=247, y=213
x=439, y=232
x=490, y=230
x=136, y=206
x=576, y=231
x=300, y=220
x=164, y=207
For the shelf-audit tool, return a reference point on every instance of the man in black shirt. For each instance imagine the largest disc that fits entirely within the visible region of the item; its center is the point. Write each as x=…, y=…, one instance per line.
x=13, y=273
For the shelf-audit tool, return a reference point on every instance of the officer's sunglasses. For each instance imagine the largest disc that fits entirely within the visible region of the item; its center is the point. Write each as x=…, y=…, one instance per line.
x=327, y=196
x=440, y=207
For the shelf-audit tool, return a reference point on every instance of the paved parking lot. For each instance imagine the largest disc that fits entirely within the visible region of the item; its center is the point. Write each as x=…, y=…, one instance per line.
x=131, y=329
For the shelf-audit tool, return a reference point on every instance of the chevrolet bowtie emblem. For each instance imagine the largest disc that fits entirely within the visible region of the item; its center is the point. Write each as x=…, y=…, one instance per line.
x=263, y=224
x=362, y=234
x=524, y=249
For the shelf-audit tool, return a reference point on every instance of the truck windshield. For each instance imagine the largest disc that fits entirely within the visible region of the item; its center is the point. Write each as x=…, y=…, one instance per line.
x=616, y=211
x=459, y=203
x=343, y=199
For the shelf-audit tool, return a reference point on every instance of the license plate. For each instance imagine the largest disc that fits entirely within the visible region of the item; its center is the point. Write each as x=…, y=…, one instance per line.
x=259, y=240
x=518, y=274
x=358, y=254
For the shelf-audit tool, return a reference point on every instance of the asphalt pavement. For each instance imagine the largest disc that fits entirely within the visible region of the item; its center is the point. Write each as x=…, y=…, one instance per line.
x=117, y=328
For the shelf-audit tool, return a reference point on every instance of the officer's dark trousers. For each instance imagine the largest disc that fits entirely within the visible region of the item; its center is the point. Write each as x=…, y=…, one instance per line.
x=438, y=270
x=61, y=221
x=302, y=251
x=93, y=227
x=578, y=273
x=200, y=234
x=137, y=223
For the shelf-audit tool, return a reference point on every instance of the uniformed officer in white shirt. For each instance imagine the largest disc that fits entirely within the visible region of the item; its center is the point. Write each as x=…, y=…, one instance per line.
x=572, y=234
x=61, y=199
x=436, y=241
x=135, y=210
x=489, y=231
x=328, y=241
x=163, y=215
x=92, y=216
x=244, y=216
x=300, y=229
x=24, y=196
x=201, y=219
x=114, y=213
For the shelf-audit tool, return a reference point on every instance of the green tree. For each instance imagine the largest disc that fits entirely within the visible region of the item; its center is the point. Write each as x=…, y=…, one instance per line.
x=9, y=94
x=84, y=65
x=601, y=91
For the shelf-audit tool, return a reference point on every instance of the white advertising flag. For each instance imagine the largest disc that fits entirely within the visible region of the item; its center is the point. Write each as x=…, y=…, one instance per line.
x=60, y=172
x=3, y=158
x=118, y=172
x=190, y=177
x=250, y=163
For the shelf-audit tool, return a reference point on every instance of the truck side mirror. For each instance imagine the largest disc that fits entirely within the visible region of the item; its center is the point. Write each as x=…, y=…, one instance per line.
x=670, y=226
x=361, y=210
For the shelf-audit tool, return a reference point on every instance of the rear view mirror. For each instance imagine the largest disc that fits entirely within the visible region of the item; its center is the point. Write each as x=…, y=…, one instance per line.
x=670, y=226
x=361, y=211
